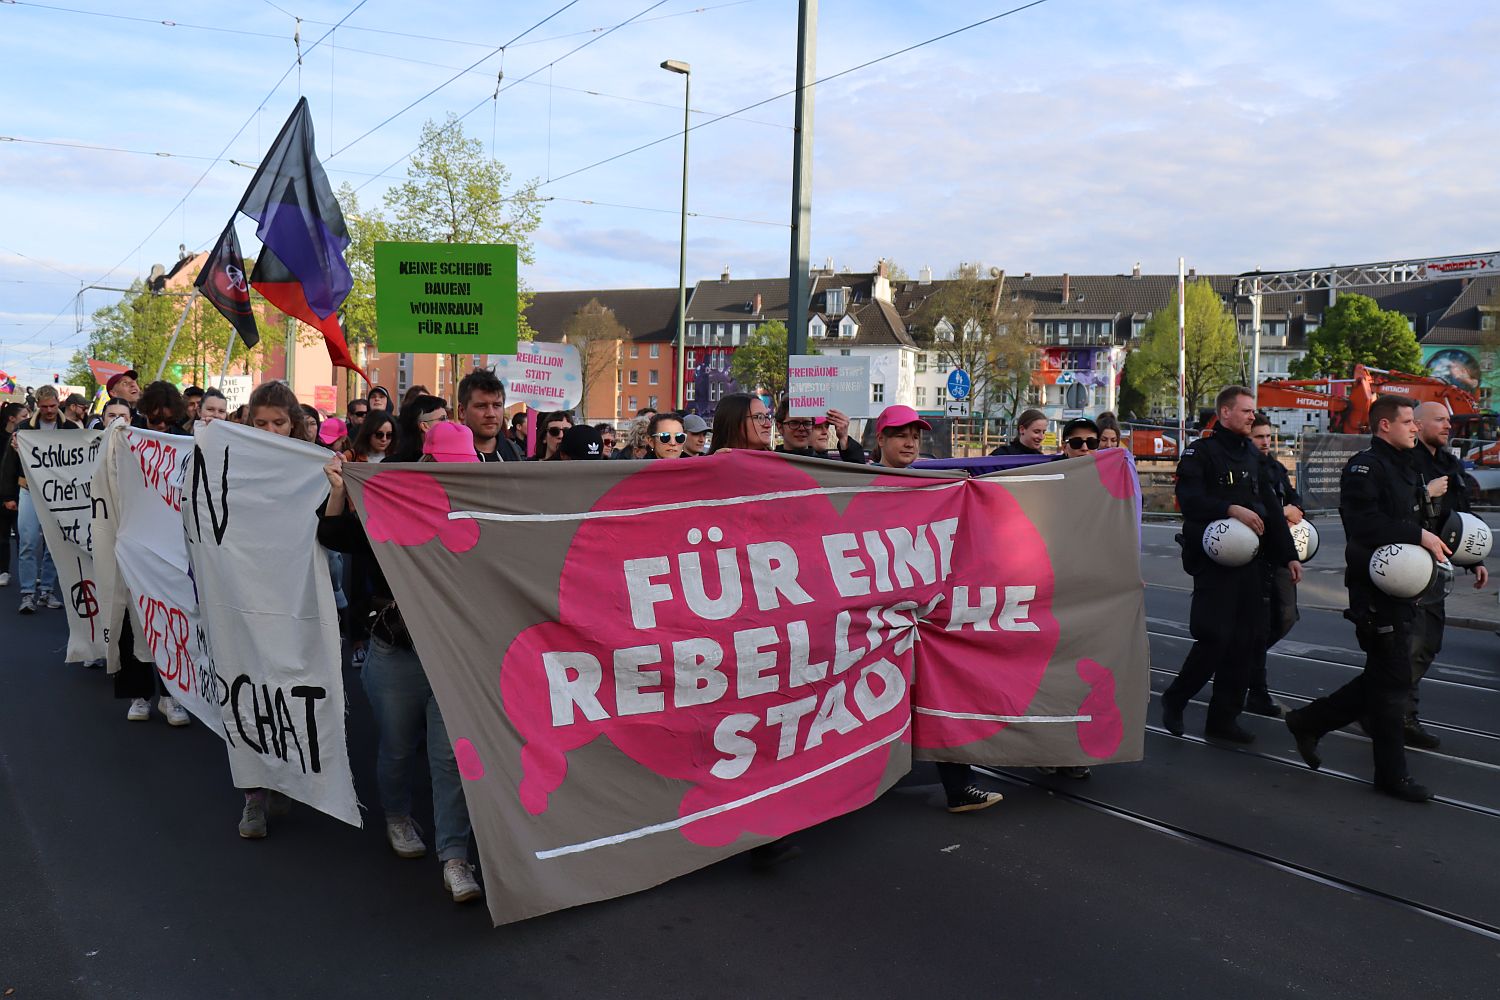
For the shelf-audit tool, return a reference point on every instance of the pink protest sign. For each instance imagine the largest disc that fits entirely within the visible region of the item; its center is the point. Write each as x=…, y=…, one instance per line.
x=645, y=670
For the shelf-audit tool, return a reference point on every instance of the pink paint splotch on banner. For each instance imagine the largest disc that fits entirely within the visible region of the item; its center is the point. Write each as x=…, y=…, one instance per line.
x=819, y=622
x=411, y=508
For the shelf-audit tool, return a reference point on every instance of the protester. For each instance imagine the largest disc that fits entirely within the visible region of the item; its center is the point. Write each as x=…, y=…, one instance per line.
x=412, y=393
x=38, y=574
x=376, y=439
x=334, y=434
x=76, y=409
x=400, y=695
x=162, y=409
x=1031, y=428
x=418, y=416
x=11, y=415
x=214, y=406
x=581, y=443
x=125, y=385
x=481, y=408
x=1280, y=594
x=606, y=435
x=192, y=401
x=518, y=431
x=696, y=429
x=1079, y=437
x=241, y=414
x=797, y=434
x=550, y=428
x=1109, y=430
x=898, y=439
x=741, y=421
x=314, y=421
x=666, y=436
x=636, y=445
x=379, y=399
x=354, y=415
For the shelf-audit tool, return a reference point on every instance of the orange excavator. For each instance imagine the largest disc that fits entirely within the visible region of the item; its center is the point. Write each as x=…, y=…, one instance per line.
x=1347, y=401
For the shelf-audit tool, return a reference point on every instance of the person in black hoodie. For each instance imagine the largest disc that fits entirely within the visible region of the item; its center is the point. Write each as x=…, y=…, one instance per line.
x=1223, y=476
x=10, y=417
x=797, y=432
x=38, y=574
x=1031, y=428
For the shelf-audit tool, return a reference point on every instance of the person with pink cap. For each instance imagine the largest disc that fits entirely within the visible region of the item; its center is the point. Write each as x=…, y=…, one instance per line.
x=333, y=434
x=406, y=712
x=898, y=443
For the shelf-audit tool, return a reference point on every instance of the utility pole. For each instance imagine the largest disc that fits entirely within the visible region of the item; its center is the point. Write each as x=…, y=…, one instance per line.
x=799, y=282
x=1181, y=355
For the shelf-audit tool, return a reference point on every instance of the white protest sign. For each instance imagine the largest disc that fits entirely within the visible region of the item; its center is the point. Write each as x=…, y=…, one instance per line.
x=140, y=483
x=236, y=389
x=249, y=512
x=818, y=383
x=543, y=376
x=59, y=469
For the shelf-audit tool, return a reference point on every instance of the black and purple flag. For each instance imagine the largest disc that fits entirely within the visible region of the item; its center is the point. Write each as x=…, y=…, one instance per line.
x=222, y=281
x=274, y=280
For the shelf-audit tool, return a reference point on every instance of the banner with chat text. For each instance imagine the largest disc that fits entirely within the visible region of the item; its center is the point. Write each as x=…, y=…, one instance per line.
x=644, y=671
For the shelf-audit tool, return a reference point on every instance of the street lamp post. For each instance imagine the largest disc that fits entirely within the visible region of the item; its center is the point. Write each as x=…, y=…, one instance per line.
x=675, y=66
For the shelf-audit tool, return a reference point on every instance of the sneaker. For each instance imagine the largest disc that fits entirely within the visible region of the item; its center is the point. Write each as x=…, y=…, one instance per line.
x=1171, y=717
x=458, y=879
x=405, y=838
x=253, y=819
x=972, y=799
x=173, y=710
x=51, y=602
x=140, y=710
x=28, y=606
x=1307, y=743
x=4, y=579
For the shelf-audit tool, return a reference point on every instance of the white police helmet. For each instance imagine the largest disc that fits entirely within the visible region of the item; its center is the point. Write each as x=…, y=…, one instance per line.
x=1468, y=537
x=1304, y=539
x=1409, y=571
x=1230, y=543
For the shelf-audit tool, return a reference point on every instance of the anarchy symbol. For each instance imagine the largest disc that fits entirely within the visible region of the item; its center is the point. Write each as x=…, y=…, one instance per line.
x=85, y=601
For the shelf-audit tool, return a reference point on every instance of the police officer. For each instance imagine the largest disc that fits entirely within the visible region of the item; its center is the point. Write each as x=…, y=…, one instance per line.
x=1224, y=476
x=1380, y=503
x=1443, y=479
x=1280, y=599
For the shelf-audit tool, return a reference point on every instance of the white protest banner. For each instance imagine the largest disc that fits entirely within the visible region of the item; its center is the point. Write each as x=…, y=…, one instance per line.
x=817, y=383
x=236, y=389
x=59, y=467
x=543, y=376
x=250, y=516
x=139, y=483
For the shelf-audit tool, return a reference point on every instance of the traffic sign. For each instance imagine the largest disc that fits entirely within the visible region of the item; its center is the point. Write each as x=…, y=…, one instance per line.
x=958, y=408
x=958, y=383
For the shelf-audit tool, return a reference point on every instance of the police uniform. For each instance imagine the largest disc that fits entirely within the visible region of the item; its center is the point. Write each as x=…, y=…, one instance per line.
x=1214, y=474
x=1380, y=503
x=1427, y=629
x=1280, y=598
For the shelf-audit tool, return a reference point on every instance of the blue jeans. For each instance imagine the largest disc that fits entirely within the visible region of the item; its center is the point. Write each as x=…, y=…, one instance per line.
x=32, y=544
x=404, y=706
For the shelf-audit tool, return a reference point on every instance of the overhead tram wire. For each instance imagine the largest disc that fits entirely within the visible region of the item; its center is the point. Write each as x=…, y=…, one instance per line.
x=161, y=21
x=821, y=80
x=201, y=177
x=501, y=89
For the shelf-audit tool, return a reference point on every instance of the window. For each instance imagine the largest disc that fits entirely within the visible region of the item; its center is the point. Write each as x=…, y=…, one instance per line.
x=635, y=377
x=633, y=406
x=847, y=327
x=715, y=391
x=942, y=395
x=921, y=362
x=1136, y=326
x=1487, y=321
x=651, y=377
x=656, y=350
x=651, y=402
x=921, y=396
x=619, y=376
x=944, y=329
x=719, y=334
x=877, y=392
x=834, y=300
x=843, y=352
x=635, y=350
x=690, y=392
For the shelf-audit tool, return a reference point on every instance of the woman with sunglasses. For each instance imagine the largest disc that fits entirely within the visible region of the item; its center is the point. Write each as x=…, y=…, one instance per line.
x=376, y=438
x=417, y=417
x=550, y=428
x=741, y=421
x=1080, y=436
x=666, y=435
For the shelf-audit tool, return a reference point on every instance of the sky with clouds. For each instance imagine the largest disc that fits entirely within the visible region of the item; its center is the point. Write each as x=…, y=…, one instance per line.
x=1077, y=135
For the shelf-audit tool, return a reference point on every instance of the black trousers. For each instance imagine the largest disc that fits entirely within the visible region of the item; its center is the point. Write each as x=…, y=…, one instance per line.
x=1426, y=643
x=1282, y=615
x=1228, y=623
x=136, y=678
x=955, y=777
x=1378, y=696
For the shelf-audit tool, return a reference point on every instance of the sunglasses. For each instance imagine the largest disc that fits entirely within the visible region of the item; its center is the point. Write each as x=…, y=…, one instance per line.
x=360, y=413
x=1079, y=443
x=556, y=431
x=382, y=435
x=666, y=437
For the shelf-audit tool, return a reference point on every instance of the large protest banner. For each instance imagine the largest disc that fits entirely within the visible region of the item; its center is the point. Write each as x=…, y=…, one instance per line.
x=647, y=670
x=143, y=565
x=249, y=508
x=59, y=470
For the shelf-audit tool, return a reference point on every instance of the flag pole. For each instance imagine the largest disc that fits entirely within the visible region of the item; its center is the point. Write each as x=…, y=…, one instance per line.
x=228, y=352
x=1181, y=356
x=172, y=344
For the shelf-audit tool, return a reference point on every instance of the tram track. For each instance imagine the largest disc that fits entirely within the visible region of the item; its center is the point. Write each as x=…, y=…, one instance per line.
x=1468, y=924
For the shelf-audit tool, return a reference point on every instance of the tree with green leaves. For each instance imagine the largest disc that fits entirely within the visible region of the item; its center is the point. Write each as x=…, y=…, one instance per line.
x=1355, y=330
x=1213, y=351
x=970, y=322
x=762, y=361
x=596, y=334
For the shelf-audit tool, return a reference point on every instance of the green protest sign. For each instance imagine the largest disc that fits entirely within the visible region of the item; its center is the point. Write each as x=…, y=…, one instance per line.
x=445, y=298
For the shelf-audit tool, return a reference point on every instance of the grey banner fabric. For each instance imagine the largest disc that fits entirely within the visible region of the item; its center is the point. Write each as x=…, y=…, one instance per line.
x=646, y=667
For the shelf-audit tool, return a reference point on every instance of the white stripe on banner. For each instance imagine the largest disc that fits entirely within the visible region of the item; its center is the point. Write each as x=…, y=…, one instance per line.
x=1001, y=718
x=589, y=515
x=646, y=831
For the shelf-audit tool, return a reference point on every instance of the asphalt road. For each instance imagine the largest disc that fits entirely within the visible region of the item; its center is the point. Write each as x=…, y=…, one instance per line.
x=1200, y=871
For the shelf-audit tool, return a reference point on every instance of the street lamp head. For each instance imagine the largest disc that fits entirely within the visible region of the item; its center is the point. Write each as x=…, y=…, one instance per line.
x=677, y=66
